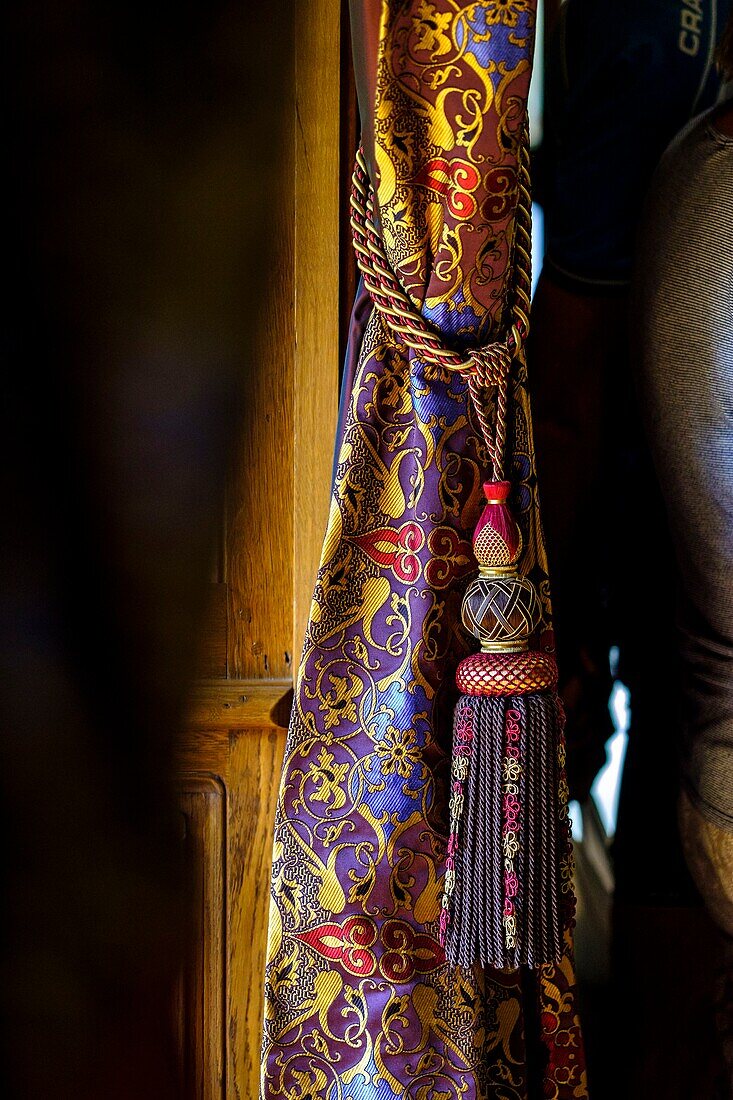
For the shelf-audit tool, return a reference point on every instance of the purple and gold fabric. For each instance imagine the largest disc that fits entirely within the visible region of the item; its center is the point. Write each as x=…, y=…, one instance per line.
x=360, y=1003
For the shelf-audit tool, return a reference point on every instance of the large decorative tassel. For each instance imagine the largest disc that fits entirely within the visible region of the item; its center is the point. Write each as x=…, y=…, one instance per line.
x=508, y=885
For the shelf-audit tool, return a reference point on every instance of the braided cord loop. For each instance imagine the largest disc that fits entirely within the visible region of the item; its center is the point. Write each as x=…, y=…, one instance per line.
x=483, y=368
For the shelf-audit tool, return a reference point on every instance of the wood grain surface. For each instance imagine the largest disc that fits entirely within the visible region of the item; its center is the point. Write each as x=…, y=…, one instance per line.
x=316, y=364
x=228, y=804
x=240, y=704
x=257, y=761
x=230, y=754
x=258, y=560
x=202, y=1011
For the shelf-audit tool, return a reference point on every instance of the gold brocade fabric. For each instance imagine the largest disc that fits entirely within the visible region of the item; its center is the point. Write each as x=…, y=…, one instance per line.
x=360, y=1003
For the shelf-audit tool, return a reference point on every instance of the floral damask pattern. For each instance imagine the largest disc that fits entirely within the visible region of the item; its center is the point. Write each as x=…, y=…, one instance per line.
x=360, y=1004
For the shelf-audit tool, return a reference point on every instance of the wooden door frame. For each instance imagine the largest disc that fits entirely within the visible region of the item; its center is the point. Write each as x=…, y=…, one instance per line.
x=230, y=753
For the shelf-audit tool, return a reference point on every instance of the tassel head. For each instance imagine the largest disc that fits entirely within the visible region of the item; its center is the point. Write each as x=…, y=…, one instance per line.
x=497, y=540
x=500, y=608
x=502, y=612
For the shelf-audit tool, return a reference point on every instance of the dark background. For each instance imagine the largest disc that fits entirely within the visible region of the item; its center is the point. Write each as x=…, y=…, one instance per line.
x=143, y=148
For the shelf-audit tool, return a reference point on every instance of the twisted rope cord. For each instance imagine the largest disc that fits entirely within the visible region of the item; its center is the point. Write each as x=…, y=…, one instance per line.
x=484, y=368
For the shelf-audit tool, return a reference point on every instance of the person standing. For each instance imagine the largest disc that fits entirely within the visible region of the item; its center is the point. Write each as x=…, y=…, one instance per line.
x=683, y=331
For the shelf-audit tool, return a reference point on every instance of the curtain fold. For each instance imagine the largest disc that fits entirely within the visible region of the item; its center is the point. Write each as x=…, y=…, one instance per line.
x=359, y=1002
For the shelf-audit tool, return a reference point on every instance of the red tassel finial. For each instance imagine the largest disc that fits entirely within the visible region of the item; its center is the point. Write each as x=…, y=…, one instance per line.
x=497, y=540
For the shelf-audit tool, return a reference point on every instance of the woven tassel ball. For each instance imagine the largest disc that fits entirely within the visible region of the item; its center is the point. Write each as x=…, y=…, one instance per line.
x=508, y=885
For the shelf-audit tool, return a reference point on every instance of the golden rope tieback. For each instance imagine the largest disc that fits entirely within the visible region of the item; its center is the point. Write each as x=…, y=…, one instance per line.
x=484, y=367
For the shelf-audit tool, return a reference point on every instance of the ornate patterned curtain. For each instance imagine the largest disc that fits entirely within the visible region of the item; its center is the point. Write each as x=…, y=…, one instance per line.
x=360, y=1003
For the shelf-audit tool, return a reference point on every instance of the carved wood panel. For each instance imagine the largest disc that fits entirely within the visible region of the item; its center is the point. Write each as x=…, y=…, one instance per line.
x=228, y=784
x=202, y=1029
